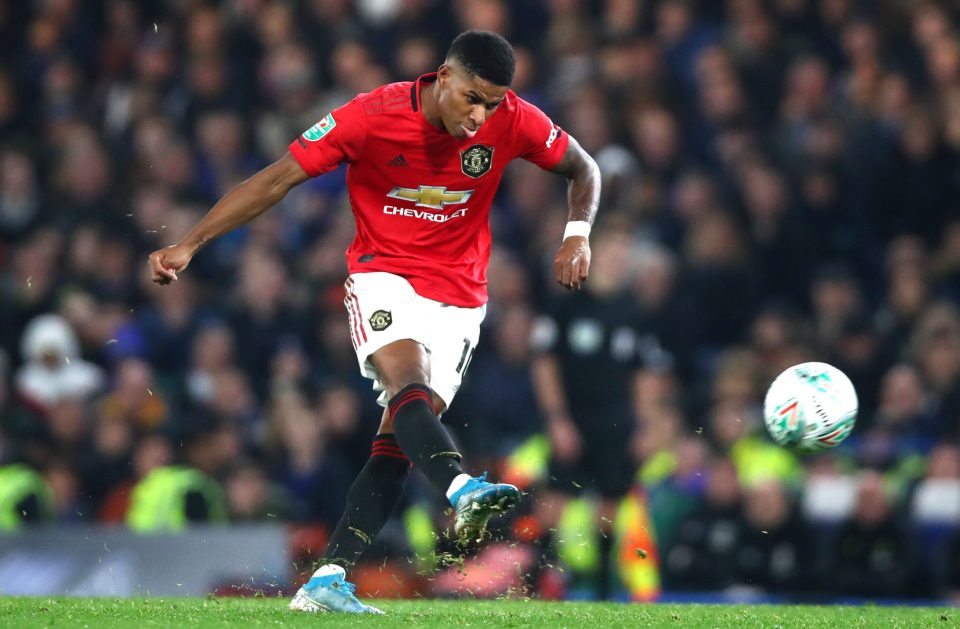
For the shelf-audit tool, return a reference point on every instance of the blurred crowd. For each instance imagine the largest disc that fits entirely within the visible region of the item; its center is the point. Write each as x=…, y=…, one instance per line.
x=781, y=183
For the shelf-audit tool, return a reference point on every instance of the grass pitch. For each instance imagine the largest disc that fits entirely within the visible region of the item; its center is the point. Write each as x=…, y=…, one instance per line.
x=193, y=612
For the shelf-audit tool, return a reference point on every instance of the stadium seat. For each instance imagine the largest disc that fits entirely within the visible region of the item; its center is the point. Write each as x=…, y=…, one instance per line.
x=937, y=501
x=829, y=499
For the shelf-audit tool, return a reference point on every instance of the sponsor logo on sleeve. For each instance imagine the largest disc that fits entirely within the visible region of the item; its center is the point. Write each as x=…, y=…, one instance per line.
x=320, y=129
x=554, y=132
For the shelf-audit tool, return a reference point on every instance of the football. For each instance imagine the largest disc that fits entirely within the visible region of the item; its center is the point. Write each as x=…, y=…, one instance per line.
x=810, y=407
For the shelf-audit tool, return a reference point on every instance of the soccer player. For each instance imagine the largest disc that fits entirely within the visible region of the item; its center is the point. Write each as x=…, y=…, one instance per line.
x=424, y=159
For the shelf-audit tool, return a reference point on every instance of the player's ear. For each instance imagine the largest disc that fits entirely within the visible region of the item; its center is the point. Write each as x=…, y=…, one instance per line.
x=444, y=73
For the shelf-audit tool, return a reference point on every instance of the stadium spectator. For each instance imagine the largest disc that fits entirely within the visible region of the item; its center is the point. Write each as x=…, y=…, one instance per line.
x=252, y=497
x=701, y=556
x=135, y=398
x=21, y=205
x=772, y=550
x=315, y=476
x=54, y=371
x=872, y=556
x=907, y=419
x=935, y=348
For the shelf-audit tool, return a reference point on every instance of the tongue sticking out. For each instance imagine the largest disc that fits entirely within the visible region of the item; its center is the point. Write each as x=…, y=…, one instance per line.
x=469, y=133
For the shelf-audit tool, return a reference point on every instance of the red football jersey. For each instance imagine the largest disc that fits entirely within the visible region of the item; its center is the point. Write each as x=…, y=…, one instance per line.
x=421, y=197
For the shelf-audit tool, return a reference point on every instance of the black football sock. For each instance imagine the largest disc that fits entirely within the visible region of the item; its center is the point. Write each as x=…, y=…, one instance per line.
x=422, y=437
x=370, y=501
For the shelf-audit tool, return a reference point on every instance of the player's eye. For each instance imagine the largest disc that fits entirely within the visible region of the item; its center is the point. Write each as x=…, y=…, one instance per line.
x=473, y=100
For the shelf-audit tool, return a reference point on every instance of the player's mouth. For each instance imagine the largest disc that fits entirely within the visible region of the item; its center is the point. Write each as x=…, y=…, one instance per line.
x=468, y=132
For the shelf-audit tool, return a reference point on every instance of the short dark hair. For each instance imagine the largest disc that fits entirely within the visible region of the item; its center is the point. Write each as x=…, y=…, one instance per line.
x=485, y=54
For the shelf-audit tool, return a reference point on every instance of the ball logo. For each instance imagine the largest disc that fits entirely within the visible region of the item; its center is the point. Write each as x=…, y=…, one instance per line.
x=381, y=320
x=788, y=416
x=476, y=160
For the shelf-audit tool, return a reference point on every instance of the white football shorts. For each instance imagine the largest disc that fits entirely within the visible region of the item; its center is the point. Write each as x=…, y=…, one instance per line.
x=383, y=308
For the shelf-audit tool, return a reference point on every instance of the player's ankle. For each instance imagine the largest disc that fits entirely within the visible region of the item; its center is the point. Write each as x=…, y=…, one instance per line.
x=456, y=485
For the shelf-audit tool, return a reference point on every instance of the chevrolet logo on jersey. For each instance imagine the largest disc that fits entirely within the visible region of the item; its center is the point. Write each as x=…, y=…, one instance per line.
x=436, y=197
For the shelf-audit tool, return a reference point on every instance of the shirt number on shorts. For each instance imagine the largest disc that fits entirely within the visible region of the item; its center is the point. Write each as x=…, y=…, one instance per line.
x=465, y=357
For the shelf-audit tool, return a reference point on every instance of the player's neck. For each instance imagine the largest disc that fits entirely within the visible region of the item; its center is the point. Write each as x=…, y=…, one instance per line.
x=429, y=105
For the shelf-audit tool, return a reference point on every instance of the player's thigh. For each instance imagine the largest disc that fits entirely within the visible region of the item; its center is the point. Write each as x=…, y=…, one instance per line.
x=453, y=334
x=382, y=309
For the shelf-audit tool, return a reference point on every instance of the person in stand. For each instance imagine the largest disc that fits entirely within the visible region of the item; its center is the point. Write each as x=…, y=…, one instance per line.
x=589, y=353
x=424, y=159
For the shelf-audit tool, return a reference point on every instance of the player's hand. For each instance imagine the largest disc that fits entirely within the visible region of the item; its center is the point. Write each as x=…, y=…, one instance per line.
x=565, y=442
x=167, y=262
x=571, y=265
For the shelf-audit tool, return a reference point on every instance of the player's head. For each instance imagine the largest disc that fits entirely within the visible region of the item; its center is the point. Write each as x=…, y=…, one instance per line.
x=473, y=80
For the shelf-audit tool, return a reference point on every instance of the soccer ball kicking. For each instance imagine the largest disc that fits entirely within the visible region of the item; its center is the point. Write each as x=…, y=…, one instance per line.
x=416, y=291
x=810, y=407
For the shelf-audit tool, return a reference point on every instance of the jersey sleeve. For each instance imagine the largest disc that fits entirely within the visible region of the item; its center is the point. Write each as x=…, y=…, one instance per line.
x=539, y=140
x=338, y=137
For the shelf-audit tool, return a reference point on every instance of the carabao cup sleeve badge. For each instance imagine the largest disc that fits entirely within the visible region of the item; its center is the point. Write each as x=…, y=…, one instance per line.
x=320, y=129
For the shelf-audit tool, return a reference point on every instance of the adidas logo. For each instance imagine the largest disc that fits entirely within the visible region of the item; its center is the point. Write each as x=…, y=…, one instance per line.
x=399, y=160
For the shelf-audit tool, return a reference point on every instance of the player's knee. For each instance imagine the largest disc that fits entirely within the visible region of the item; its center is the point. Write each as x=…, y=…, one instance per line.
x=386, y=423
x=401, y=364
x=396, y=385
x=436, y=403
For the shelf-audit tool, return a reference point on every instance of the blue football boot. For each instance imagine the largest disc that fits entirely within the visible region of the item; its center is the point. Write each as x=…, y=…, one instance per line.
x=477, y=501
x=328, y=591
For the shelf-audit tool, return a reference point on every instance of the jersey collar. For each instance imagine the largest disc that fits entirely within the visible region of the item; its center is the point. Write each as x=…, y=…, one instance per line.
x=415, y=88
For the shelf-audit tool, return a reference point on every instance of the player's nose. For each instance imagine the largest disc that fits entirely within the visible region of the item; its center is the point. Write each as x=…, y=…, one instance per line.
x=477, y=116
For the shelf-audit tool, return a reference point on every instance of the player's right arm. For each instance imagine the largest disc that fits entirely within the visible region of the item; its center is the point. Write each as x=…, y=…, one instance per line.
x=239, y=206
x=338, y=137
x=551, y=148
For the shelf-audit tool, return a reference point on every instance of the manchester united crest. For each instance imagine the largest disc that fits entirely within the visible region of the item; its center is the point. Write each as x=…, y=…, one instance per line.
x=380, y=320
x=476, y=160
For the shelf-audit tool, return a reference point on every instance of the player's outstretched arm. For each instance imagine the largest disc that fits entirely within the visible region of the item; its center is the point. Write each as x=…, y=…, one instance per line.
x=240, y=205
x=571, y=265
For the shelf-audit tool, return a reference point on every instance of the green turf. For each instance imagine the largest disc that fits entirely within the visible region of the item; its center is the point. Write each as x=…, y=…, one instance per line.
x=180, y=612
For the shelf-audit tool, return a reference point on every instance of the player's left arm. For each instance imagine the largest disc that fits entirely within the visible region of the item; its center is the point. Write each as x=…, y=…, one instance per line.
x=571, y=265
